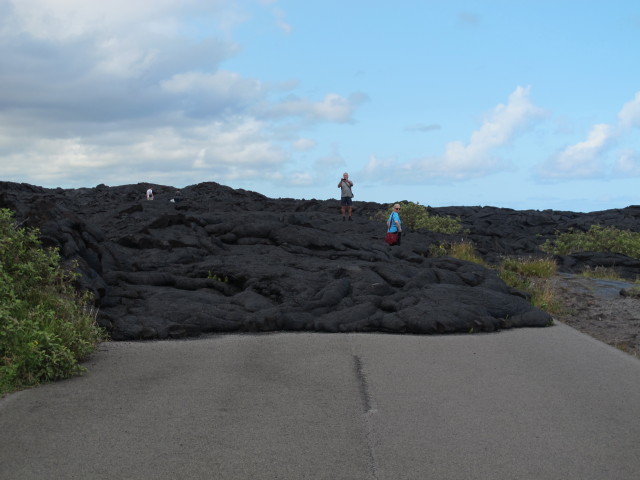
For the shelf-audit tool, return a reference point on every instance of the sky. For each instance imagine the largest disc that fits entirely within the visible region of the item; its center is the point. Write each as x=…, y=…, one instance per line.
x=523, y=104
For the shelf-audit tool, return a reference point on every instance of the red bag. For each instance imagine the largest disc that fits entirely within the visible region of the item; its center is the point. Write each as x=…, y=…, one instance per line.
x=391, y=238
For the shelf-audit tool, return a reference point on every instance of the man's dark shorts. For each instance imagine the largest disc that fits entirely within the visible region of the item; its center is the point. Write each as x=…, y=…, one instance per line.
x=345, y=201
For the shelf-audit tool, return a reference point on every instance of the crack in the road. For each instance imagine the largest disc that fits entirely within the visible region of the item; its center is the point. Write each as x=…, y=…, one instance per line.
x=369, y=410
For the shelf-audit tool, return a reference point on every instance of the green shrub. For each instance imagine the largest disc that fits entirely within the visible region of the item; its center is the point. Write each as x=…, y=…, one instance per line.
x=530, y=275
x=633, y=292
x=465, y=250
x=596, y=239
x=540, y=290
x=414, y=215
x=462, y=250
x=530, y=267
x=533, y=276
x=438, y=250
x=218, y=278
x=605, y=273
x=44, y=330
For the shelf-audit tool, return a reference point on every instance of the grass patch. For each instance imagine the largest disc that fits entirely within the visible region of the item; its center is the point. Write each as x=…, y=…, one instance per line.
x=465, y=250
x=462, y=250
x=45, y=327
x=633, y=292
x=604, y=273
x=533, y=276
x=414, y=215
x=218, y=278
x=530, y=275
x=596, y=239
x=438, y=250
x=530, y=267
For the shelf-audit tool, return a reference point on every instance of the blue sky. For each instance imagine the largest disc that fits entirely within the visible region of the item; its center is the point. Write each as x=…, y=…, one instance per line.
x=525, y=104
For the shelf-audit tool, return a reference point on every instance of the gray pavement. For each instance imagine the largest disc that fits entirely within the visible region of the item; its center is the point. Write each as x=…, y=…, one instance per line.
x=523, y=404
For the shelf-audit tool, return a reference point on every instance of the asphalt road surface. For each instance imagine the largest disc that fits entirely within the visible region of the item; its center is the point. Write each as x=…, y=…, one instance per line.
x=523, y=404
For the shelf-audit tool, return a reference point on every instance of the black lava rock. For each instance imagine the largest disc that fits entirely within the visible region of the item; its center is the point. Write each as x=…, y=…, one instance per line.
x=208, y=258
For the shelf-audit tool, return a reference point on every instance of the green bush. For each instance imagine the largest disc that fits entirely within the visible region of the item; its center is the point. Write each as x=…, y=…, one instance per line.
x=596, y=239
x=530, y=267
x=218, y=278
x=533, y=276
x=465, y=250
x=462, y=250
x=438, y=250
x=633, y=292
x=414, y=215
x=530, y=275
x=44, y=329
x=604, y=273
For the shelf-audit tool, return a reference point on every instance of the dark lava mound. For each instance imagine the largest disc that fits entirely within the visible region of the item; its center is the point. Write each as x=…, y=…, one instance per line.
x=208, y=258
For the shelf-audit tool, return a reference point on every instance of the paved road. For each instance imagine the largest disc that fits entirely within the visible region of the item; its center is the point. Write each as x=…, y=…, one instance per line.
x=522, y=404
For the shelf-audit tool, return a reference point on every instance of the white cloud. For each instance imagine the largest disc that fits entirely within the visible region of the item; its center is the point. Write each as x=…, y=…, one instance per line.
x=377, y=166
x=582, y=160
x=50, y=160
x=475, y=158
x=629, y=115
x=333, y=107
x=118, y=58
x=242, y=143
x=301, y=179
x=588, y=158
x=210, y=95
x=627, y=164
x=221, y=151
x=280, y=20
x=304, y=144
x=329, y=164
x=95, y=92
x=61, y=20
x=325, y=171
